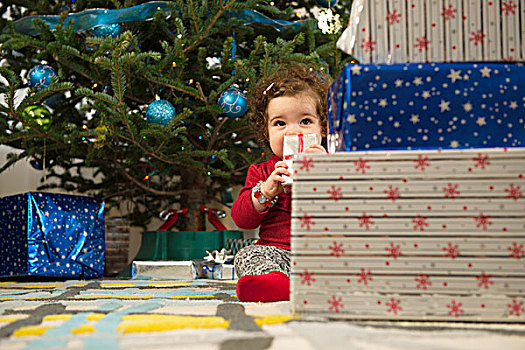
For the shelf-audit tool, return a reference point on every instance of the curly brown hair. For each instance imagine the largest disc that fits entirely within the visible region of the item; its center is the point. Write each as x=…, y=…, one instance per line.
x=289, y=81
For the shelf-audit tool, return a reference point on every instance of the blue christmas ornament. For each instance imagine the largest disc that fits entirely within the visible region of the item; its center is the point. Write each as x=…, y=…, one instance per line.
x=160, y=112
x=52, y=102
x=37, y=163
x=104, y=31
x=40, y=76
x=233, y=102
x=326, y=3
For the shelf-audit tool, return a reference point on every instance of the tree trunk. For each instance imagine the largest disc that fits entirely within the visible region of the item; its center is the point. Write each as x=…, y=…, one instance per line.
x=196, y=196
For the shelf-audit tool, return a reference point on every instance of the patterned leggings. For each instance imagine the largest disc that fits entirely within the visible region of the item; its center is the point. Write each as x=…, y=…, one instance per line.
x=262, y=259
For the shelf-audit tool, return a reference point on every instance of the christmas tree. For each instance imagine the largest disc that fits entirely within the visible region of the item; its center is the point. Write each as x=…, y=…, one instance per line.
x=129, y=90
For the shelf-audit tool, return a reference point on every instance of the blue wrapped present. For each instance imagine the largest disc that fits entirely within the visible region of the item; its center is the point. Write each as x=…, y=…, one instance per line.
x=427, y=106
x=53, y=235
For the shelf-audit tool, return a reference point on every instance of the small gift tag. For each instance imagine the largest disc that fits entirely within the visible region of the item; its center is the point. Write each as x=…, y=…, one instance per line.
x=295, y=144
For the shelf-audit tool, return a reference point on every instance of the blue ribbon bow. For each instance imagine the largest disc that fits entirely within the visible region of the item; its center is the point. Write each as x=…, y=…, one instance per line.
x=88, y=19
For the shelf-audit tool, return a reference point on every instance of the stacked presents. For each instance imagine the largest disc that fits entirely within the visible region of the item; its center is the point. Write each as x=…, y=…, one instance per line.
x=419, y=212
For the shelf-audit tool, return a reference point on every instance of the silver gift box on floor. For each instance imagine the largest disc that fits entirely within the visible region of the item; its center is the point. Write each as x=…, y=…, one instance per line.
x=185, y=270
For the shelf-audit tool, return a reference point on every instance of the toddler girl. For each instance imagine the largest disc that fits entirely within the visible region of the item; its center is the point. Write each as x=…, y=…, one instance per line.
x=291, y=101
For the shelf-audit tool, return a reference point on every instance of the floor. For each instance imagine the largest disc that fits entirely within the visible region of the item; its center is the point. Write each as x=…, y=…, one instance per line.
x=205, y=314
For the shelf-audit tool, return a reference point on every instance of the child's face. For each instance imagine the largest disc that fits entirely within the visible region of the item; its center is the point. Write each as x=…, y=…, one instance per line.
x=292, y=115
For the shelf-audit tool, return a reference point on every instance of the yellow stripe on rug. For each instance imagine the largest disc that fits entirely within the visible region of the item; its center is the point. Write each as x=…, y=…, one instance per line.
x=113, y=285
x=191, y=296
x=8, y=284
x=85, y=328
x=161, y=323
x=95, y=316
x=272, y=319
x=11, y=318
x=38, y=298
x=167, y=284
x=30, y=331
x=62, y=317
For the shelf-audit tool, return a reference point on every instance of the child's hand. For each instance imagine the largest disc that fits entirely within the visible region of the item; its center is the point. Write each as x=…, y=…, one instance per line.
x=315, y=149
x=272, y=186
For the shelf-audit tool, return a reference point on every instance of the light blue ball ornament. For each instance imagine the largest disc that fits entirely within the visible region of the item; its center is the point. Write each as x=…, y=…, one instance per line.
x=160, y=112
x=234, y=102
x=104, y=31
x=40, y=76
x=326, y=3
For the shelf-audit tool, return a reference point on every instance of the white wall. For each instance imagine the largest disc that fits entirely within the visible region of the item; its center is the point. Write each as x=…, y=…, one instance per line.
x=21, y=177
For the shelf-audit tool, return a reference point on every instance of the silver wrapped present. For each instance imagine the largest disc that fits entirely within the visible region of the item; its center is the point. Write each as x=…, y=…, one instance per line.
x=184, y=270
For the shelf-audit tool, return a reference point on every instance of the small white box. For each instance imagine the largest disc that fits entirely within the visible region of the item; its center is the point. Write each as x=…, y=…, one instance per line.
x=217, y=271
x=295, y=144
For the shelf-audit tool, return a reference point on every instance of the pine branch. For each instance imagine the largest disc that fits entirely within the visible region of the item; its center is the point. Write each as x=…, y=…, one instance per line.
x=175, y=121
x=147, y=188
x=41, y=95
x=149, y=153
x=138, y=57
x=10, y=76
x=118, y=82
x=131, y=97
x=202, y=35
x=100, y=96
x=195, y=21
x=175, y=86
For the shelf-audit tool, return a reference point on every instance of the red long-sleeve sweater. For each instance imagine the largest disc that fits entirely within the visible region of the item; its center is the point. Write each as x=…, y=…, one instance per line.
x=274, y=222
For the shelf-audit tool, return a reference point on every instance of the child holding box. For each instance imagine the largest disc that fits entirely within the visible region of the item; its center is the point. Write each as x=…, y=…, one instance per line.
x=291, y=101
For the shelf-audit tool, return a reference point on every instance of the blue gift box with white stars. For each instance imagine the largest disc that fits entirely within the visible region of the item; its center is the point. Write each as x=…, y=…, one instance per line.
x=53, y=235
x=427, y=106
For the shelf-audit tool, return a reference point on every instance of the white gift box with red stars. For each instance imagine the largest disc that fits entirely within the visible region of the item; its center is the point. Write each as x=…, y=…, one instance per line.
x=410, y=235
x=400, y=31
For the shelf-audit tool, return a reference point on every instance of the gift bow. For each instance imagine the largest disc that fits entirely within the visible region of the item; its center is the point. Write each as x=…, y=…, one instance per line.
x=219, y=257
